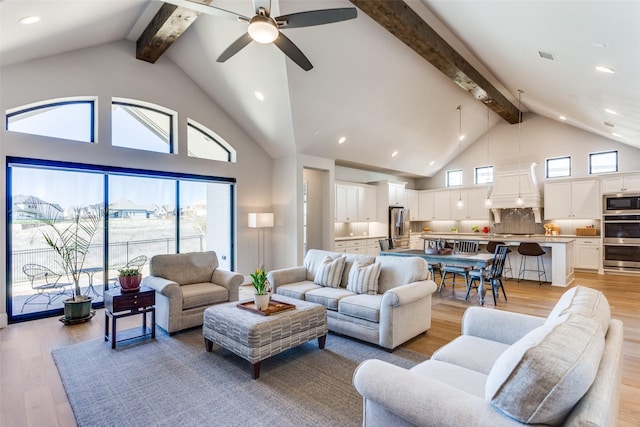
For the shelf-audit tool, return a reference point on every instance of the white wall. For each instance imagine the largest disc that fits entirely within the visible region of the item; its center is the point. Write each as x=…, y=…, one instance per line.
x=540, y=138
x=111, y=70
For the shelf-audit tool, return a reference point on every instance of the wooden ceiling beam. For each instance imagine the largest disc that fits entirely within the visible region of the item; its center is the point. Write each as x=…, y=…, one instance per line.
x=401, y=21
x=166, y=26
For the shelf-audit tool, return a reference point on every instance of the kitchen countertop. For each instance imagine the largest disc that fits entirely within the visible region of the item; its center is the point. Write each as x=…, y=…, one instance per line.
x=507, y=237
x=338, y=239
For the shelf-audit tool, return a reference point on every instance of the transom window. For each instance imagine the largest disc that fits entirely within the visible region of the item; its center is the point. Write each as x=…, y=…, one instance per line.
x=454, y=178
x=143, y=127
x=205, y=144
x=605, y=161
x=559, y=167
x=71, y=119
x=483, y=175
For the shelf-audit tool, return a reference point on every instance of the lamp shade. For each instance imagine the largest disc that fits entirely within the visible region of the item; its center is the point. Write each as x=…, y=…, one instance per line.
x=260, y=220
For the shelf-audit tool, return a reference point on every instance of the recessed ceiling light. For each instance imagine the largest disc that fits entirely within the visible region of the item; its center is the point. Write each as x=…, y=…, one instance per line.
x=617, y=135
x=29, y=20
x=259, y=96
x=610, y=111
x=432, y=162
x=461, y=137
x=604, y=69
x=395, y=153
x=562, y=118
x=342, y=140
x=598, y=44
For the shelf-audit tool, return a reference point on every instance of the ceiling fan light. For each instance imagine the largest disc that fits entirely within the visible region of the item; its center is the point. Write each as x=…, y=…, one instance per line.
x=263, y=29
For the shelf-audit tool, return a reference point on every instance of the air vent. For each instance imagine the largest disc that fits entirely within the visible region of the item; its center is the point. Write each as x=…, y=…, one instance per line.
x=547, y=55
x=609, y=124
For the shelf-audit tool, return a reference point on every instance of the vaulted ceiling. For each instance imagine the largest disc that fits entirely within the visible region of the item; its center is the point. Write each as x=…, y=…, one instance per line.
x=367, y=84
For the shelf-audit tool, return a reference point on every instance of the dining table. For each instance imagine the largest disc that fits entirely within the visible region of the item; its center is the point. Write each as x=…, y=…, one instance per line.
x=478, y=261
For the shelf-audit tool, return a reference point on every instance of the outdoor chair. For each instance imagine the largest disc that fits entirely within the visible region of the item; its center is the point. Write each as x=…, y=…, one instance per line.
x=46, y=284
x=137, y=262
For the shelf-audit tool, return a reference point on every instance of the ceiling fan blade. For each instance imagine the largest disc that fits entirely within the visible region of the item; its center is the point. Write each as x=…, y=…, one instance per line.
x=235, y=47
x=264, y=4
x=292, y=51
x=209, y=10
x=317, y=17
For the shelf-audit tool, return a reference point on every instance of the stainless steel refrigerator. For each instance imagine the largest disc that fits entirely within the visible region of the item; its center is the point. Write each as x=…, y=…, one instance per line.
x=399, y=227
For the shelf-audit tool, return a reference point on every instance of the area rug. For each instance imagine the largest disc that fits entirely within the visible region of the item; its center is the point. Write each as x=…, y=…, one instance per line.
x=174, y=381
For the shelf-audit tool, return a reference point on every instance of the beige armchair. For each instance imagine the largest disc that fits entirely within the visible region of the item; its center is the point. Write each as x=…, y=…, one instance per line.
x=186, y=284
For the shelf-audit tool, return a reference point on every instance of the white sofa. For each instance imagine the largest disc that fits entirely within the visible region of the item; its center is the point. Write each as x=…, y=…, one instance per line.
x=186, y=284
x=508, y=369
x=399, y=309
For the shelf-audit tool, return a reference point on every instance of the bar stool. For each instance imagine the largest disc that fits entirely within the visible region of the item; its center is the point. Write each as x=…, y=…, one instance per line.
x=528, y=249
x=491, y=248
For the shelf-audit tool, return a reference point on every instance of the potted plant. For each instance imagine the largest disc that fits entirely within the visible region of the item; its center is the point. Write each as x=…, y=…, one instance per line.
x=261, y=288
x=129, y=279
x=71, y=242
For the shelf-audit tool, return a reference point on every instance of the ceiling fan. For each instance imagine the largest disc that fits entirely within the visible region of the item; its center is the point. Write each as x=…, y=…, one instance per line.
x=265, y=29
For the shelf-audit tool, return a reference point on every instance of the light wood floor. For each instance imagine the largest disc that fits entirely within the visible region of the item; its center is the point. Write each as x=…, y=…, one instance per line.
x=31, y=393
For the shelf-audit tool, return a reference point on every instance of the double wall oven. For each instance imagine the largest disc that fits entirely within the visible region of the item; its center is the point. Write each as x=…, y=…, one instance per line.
x=621, y=231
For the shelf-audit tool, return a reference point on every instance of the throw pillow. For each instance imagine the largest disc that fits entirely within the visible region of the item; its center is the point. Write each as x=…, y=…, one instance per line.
x=363, y=278
x=329, y=272
x=542, y=376
x=585, y=301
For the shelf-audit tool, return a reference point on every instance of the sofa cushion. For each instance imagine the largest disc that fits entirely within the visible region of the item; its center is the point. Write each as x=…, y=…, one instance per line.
x=468, y=351
x=363, y=278
x=363, y=306
x=586, y=302
x=541, y=377
x=296, y=290
x=202, y=294
x=465, y=380
x=396, y=271
x=329, y=272
x=329, y=297
x=350, y=259
x=184, y=269
x=314, y=258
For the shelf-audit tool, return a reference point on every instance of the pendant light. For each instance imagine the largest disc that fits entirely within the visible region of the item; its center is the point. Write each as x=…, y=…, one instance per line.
x=488, y=203
x=519, y=199
x=460, y=203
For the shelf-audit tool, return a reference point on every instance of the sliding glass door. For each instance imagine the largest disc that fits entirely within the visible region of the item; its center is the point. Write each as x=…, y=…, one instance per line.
x=147, y=214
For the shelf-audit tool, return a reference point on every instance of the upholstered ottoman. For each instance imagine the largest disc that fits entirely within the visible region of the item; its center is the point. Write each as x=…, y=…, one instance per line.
x=255, y=337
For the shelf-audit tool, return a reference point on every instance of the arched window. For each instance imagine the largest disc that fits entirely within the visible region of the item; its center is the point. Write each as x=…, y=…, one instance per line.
x=205, y=144
x=143, y=126
x=67, y=118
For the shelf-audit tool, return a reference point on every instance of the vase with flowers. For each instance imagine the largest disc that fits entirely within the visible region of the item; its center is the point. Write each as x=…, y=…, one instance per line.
x=262, y=289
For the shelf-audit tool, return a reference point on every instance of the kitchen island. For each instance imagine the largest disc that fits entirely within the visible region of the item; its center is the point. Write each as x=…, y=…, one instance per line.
x=558, y=260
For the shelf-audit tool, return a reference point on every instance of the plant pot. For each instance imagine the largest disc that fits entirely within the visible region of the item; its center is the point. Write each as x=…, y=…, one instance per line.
x=75, y=310
x=261, y=301
x=130, y=283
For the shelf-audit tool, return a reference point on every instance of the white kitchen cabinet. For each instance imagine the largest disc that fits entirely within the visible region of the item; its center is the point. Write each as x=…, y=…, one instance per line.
x=620, y=183
x=588, y=254
x=413, y=204
x=472, y=204
x=442, y=205
x=572, y=200
x=367, y=204
x=415, y=241
x=346, y=203
x=373, y=247
x=396, y=194
x=426, y=206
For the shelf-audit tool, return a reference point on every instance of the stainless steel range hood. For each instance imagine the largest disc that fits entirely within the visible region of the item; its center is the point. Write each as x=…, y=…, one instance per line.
x=509, y=181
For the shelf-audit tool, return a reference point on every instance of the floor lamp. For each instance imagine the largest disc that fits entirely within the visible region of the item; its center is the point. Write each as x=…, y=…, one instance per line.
x=261, y=221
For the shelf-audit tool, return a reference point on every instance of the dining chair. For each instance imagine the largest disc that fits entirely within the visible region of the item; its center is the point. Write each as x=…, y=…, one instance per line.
x=385, y=244
x=460, y=247
x=433, y=245
x=45, y=283
x=493, y=276
x=491, y=248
